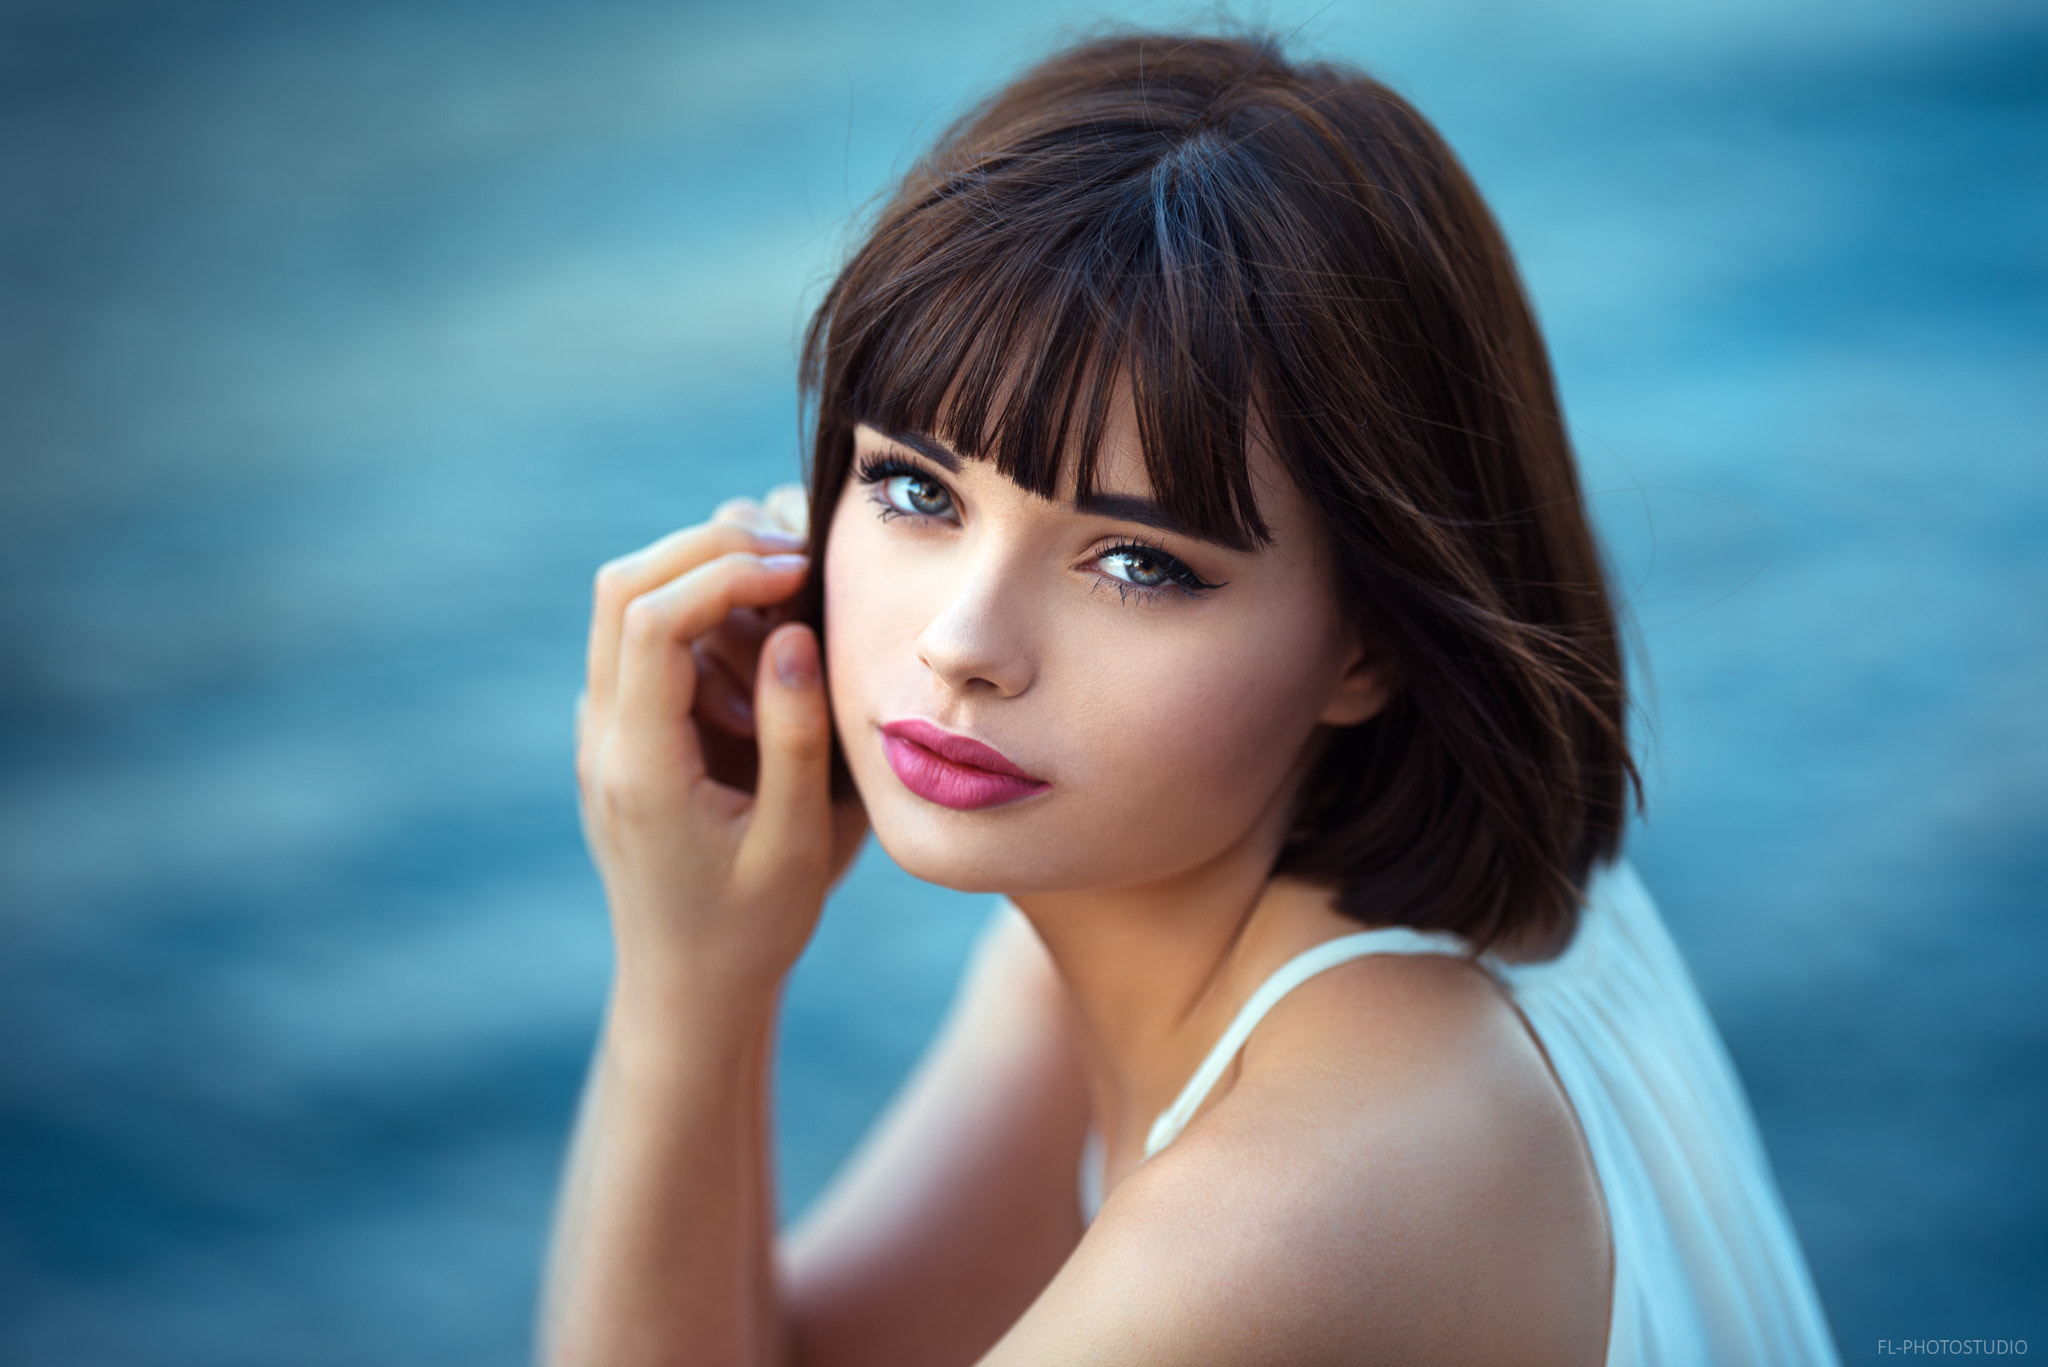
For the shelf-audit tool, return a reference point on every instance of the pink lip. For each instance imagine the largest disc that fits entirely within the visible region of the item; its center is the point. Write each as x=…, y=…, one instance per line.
x=951, y=770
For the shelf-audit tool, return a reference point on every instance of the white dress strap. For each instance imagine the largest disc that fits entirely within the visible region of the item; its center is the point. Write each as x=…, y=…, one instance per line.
x=1292, y=974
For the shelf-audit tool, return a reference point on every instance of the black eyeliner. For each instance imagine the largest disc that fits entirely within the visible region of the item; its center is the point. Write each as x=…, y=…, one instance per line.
x=1176, y=569
x=873, y=470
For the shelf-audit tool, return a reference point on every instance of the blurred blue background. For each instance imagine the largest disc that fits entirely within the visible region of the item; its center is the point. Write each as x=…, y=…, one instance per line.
x=340, y=342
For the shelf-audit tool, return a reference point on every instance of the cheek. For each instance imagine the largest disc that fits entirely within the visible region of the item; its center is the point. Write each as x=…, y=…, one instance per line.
x=1168, y=732
x=1206, y=723
x=868, y=616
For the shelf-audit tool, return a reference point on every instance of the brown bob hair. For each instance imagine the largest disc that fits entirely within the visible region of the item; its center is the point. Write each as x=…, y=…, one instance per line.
x=1233, y=235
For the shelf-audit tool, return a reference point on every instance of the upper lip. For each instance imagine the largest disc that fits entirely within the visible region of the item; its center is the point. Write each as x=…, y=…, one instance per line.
x=955, y=749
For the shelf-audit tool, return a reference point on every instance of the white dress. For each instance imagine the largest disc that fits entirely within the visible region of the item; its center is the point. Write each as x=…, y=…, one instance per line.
x=1707, y=1269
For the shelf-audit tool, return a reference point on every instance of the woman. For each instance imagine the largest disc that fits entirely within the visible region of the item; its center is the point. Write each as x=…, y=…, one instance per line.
x=1199, y=562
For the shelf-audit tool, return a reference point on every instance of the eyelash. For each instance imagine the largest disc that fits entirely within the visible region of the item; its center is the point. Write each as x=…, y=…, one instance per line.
x=875, y=471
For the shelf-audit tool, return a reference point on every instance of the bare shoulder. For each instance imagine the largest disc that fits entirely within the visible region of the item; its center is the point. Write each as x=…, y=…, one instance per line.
x=1393, y=1176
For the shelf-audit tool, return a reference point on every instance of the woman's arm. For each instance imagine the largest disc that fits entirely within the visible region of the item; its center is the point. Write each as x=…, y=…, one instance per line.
x=963, y=1202
x=662, y=1245
x=664, y=1249
x=959, y=1207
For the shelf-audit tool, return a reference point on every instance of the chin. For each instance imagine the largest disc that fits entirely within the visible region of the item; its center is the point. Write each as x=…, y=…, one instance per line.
x=966, y=851
x=1016, y=850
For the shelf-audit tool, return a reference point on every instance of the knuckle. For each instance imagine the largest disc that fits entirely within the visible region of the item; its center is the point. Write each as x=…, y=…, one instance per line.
x=626, y=790
x=788, y=504
x=807, y=736
x=619, y=798
x=613, y=581
x=804, y=737
x=801, y=753
x=716, y=538
x=718, y=575
x=644, y=617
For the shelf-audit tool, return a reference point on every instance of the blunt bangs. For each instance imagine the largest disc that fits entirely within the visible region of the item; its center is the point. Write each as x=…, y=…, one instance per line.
x=1252, y=246
x=1014, y=298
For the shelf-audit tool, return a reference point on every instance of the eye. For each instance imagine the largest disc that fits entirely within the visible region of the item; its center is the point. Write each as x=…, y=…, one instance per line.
x=903, y=490
x=1151, y=570
x=916, y=494
x=1137, y=565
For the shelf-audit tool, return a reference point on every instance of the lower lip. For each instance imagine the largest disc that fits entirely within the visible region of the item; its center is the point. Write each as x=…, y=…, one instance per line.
x=953, y=785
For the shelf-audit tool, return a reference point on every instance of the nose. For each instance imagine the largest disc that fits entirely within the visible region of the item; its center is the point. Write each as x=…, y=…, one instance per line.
x=980, y=638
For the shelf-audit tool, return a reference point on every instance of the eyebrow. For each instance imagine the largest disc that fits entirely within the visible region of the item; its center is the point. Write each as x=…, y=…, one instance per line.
x=931, y=448
x=1122, y=507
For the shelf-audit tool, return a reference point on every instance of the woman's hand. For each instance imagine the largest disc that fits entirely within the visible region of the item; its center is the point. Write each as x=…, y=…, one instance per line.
x=703, y=752
x=728, y=656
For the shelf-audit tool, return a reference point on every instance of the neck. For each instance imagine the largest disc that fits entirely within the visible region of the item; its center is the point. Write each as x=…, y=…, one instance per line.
x=1157, y=970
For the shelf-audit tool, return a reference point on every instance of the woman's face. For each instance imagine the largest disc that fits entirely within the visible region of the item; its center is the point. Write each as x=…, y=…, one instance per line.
x=1150, y=692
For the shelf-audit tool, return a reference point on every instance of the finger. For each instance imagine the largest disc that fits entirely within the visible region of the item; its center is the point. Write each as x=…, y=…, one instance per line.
x=621, y=581
x=791, y=826
x=627, y=578
x=657, y=679
x=741, y=512
x=788, y=507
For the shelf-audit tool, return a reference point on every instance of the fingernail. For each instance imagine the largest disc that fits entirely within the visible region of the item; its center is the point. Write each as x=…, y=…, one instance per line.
x=779, y=563
x=795, y=665
x=775, y=536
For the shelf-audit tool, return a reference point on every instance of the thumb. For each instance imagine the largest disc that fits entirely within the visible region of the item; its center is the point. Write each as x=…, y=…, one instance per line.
x=791, y=825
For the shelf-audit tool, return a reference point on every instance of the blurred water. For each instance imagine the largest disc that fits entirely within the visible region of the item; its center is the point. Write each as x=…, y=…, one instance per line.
x=338, y=343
